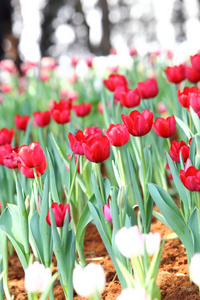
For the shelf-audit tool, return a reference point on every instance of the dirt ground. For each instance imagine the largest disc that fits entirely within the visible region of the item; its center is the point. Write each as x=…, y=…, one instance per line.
x=172, y=278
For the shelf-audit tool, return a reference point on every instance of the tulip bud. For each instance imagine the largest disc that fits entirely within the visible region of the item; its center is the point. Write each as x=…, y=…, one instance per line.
x=152, y=242
x=121, y=197
x=106, y=212
x=129, y=241
x=37, y=278
x=195, y=268
x=89, y=281
x=136, y=294
x=188, y=164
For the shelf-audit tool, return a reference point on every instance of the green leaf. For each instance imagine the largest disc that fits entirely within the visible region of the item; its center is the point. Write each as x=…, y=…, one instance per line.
x=53, y=184
x=44, y=226
x=23, y=217
x=128, y=277
x=137, y=191
x=106, y=242
x=9, y=223
x=178, y=183
x=184, y=127
x=172, y=214
x=194, y=226
x=106, y=187
x=36, y=233
x=195, y=119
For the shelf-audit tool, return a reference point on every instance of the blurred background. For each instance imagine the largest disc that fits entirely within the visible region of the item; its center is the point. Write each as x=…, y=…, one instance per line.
x=31, y=29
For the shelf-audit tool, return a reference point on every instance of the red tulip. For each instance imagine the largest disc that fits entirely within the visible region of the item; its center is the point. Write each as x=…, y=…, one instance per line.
x=192, y=75
x=74, y=61
x=11, y=159
x=21, y=122
x=194, y=99
x=132, y=51
x=93, y=130
x=195, y=61
x=82, y=110
x=118, y=135
x=29, y=173
x=130, y=98
x=138, y=124
x=184, y=98
x=61, y=117
x=97, y=150
x=4, y=151
x=76, y=142
x=5, y=88
x=60, y=111
x=114, y=81
x=89, y=61
x=118, y=91
x=176, y=149
x=6, y=136
x=31, y=156
x=8, y=65
x=42, y=118
x=59, y=212
x=175, y=74
x=191, y=178
x=165, y=128
x=48, y=63
x=148, y=89
x=106, y=212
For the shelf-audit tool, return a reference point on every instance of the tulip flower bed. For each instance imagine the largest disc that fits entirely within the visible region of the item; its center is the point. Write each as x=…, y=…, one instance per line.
x=89, y=169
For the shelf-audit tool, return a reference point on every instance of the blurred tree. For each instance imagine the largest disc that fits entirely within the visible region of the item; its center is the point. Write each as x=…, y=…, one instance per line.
x=49, y=14
x=178, y=19
x=105, y=44
x=5, y=23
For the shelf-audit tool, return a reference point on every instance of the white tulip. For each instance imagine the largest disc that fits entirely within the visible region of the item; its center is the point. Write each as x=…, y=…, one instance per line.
x=37, y=277
x=195, y=268
x=129, y=241
x=89, y=281
x=130, y=294
x=152, y=242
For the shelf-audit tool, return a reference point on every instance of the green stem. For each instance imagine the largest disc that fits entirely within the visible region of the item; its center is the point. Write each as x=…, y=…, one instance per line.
x=32, y=296
x=168, y=143
x=190, y=121
x=144, y=170
x=73, y=180
x=98, y=167
x=138, y=271
x=121, y=167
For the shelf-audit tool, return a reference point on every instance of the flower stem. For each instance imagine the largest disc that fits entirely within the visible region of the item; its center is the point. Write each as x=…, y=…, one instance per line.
x=121, y=167
x=73, y=180
x=100, y=181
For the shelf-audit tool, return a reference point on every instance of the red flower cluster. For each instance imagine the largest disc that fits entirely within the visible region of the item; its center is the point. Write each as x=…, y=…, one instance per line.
x=118, y=84
x=176, y=149
x=190, y=97
x=96, y=148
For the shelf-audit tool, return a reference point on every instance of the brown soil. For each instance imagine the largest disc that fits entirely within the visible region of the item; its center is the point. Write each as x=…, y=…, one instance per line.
x=172, y=278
